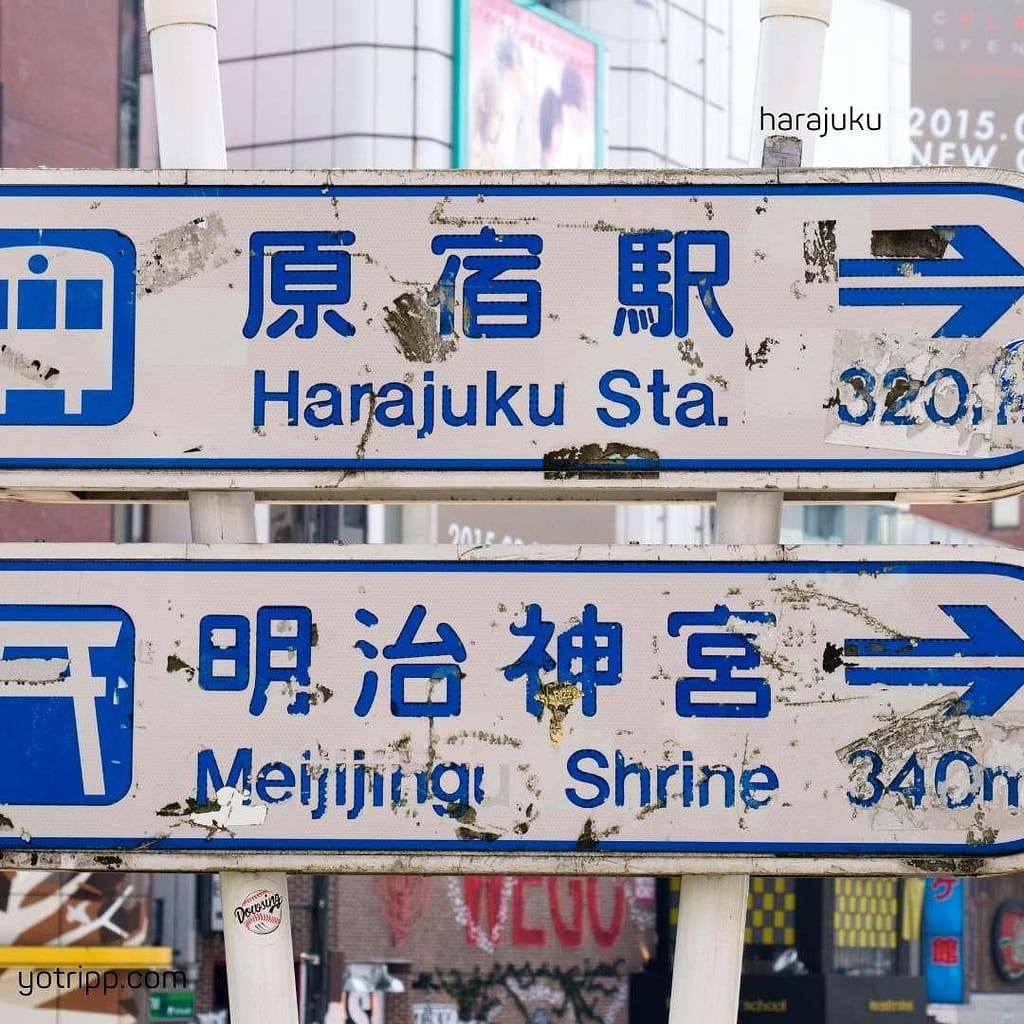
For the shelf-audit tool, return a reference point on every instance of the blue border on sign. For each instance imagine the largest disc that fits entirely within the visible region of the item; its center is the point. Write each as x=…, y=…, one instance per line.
x=506, y=846
x=611, y=470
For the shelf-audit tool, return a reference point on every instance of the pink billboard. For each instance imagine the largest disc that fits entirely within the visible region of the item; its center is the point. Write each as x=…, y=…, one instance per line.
x=528, y=88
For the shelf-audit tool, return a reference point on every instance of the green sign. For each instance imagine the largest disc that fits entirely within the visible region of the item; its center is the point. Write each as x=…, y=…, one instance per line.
x=176, y=1006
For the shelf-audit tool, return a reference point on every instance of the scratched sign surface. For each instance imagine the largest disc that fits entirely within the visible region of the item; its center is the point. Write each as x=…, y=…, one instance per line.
x=619, y=706
x=528, y=335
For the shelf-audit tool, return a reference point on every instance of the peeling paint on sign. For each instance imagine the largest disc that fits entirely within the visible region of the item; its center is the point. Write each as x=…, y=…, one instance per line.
x=183, y=253
x=820, y=254
x=413, y=322
x=576, y=462
x=927, y=243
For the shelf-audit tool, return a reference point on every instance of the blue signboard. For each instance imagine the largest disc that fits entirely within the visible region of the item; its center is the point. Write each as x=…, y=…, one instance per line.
x=527, y=702
x=513, y=335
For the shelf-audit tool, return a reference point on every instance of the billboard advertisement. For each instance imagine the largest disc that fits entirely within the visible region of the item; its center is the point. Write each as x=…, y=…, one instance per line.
x=967, y=62
x=943, y=939
x=528, y=88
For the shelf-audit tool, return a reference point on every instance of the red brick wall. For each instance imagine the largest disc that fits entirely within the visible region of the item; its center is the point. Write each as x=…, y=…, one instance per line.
x=975, y=517
x=25, y=522
x=59, y=68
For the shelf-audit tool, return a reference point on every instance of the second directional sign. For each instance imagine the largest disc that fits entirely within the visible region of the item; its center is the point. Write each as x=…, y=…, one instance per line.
x=615, y=709
x=513, y=335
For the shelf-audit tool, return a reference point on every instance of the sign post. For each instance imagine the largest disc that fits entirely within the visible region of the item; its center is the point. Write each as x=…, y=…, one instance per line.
x=713, y=911
x=190, y=125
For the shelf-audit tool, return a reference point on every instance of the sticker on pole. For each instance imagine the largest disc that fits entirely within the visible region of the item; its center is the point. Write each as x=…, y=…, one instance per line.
x=260, y=911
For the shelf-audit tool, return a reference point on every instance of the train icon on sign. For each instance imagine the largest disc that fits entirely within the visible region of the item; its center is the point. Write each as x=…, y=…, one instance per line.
x=67, y=680
x=67, y=326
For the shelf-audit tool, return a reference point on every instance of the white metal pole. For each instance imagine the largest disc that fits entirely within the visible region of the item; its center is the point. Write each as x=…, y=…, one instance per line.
x=190, y=129
x=712, y=909
x=789, y=63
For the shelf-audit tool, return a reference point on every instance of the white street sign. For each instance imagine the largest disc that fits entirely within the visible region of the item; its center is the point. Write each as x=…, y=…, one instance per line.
x=600, y=334
x=634, y=710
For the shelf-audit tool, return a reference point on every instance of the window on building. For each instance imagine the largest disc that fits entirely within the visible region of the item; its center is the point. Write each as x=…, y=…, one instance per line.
x=1005, y=513
x=318, y=524
x=865, y=925
x=883, y=525
x=770, y=929
x=824, y=522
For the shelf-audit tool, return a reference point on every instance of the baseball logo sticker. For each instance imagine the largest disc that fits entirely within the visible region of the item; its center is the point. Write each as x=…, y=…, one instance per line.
x=260, y=911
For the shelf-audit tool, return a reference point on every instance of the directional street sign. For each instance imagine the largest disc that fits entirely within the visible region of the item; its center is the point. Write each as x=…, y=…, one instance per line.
x=531, y=335
x=623, y=710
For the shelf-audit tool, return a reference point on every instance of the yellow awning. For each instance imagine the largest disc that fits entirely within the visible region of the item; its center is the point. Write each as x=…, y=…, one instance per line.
x=113, y=957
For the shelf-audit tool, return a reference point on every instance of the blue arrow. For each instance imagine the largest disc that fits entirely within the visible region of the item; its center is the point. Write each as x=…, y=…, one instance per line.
x=980, y=307
x=986, y=636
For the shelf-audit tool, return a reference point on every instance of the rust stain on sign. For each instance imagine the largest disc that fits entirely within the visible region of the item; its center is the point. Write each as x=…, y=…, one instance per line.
x=798, y=596
x=903, y=386
x=613, y=459
x=962, y=866
x=493, y=738
x=370, y=420
x=462, y=832
x=587, y=841
x=832, y=657
x=983, y=837
x=177, y=810
x=589, y=838
x=440, y=215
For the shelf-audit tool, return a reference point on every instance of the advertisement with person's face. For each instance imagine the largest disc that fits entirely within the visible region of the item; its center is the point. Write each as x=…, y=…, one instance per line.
x=530, y=89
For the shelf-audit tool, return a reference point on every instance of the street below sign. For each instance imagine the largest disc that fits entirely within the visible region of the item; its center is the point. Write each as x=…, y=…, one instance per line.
x=628, y=710
x=605, y=335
